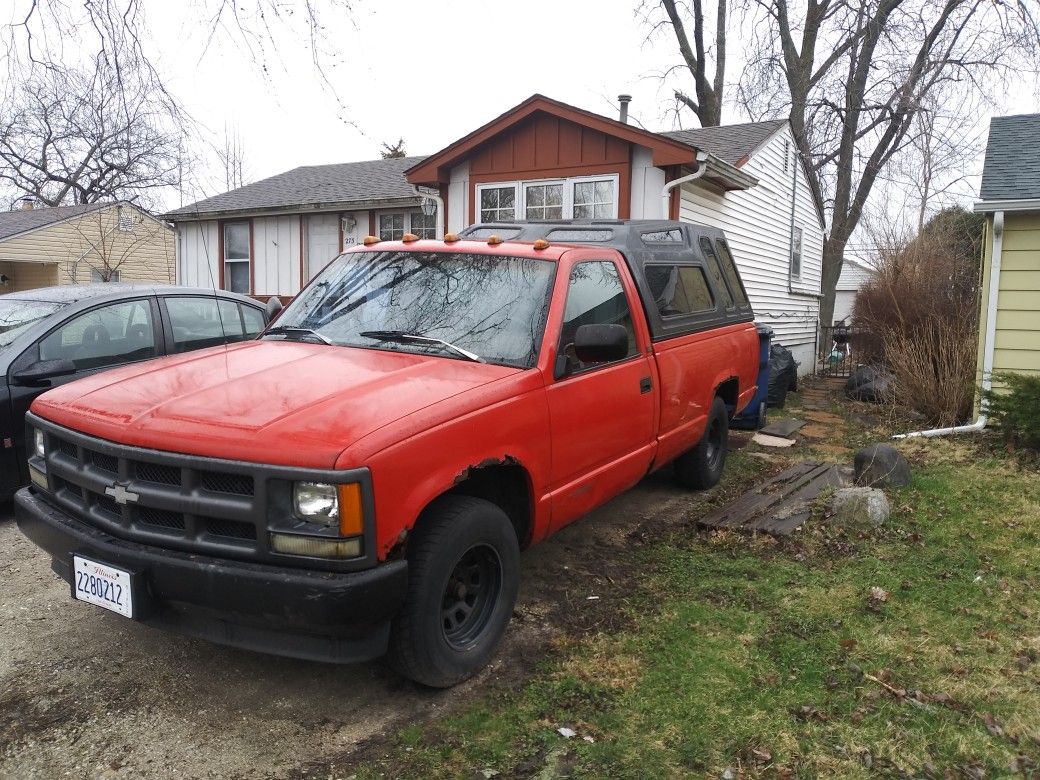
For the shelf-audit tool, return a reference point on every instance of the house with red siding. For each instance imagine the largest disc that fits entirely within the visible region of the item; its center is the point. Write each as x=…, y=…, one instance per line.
x=542, y=159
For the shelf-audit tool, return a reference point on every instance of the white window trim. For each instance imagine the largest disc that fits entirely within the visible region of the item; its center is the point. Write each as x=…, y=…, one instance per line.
x=800, y=232
x=502, y=185
x=520, y=193
x=407, y=213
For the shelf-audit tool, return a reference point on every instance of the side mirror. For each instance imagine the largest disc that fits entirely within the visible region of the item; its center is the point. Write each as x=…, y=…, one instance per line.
x=42, y=370
x=272, y=307
x=600, y=343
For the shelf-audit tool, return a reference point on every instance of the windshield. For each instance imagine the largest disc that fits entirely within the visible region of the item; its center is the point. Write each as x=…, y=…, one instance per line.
x=491, y=306
x=16, y=316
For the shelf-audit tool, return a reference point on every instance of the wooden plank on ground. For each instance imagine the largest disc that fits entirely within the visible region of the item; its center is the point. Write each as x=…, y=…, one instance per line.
x=780, y=505
x=784, y=427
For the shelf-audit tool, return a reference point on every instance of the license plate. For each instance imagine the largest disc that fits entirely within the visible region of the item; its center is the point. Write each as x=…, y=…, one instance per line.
x=102, y=585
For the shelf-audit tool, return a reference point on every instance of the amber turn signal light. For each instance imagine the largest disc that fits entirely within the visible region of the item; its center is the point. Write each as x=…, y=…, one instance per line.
x=369, y=240
x=351, y=513
x=493, y=240
x=541, y=243
x=409, y=237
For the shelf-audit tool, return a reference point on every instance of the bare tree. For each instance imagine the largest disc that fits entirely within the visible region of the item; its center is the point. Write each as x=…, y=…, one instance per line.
x=108, y=237
x=853, y=78
x=708, y=88
x=393, y=151
x=116, y=31
x=232, y=158
x=72, y=136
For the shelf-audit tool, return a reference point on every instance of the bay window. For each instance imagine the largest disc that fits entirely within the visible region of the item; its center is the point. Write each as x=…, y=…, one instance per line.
x=577, y=197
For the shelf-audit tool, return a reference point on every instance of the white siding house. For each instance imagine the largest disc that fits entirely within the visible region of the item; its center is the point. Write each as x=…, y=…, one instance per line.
x=853, y=274
x=776, y=233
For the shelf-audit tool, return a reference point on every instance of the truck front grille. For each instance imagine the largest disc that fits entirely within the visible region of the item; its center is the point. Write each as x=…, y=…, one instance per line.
x=134, y=495
x=188, y=503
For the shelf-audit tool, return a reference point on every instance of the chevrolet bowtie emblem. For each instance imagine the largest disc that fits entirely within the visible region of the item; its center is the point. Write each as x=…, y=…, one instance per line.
x=121, y=494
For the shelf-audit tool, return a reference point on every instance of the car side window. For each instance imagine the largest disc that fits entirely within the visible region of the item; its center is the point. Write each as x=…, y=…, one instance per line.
x=106, y=336
x=679, y=289
x=715, y=272
x=254, y=320
x=200, y=322
x=595, y=296
x=729, y=268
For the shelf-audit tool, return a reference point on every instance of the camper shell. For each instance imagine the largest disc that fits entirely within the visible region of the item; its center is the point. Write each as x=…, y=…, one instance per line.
x=654, y=250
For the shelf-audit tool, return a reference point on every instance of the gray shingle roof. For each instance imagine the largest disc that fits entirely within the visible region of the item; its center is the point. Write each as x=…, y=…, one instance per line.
x=1012, y=168
x=314, y=184
x=731, y=143
x=19, y=221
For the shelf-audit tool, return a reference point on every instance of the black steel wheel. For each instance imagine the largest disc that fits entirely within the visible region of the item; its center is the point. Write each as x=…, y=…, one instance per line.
x=463, y=576
x=702, y=466
x=470, y=596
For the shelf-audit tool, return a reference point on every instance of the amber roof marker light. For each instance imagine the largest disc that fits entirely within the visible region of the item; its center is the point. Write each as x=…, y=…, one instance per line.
x=541, y=243
x=409, y=238
x=369, y=240
x=450, y=238
x=494, y=240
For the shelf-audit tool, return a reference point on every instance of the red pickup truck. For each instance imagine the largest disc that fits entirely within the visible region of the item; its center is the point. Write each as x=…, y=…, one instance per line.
x=361, y=479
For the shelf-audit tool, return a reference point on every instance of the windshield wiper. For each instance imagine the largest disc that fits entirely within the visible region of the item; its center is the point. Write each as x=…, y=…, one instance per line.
x=416, y=338
x=300, y=333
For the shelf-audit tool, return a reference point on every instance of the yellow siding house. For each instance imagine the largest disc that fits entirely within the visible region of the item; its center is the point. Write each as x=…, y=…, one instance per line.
x=1010, y=199
x=99, y=242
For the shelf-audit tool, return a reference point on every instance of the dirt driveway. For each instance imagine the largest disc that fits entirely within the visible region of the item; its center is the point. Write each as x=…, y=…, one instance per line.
x=87, y=694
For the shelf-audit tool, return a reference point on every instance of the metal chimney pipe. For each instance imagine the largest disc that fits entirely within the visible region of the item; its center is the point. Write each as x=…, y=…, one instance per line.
x=624, y=100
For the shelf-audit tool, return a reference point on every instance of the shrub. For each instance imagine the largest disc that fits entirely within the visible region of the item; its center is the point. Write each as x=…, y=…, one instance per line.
x=918, y=316
x=1014, y=409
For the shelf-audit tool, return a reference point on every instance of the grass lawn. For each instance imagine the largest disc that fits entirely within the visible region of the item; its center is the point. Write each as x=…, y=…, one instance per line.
x=910, y=650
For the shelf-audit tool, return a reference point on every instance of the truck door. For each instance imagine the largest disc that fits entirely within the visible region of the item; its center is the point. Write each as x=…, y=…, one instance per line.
x=602, y=414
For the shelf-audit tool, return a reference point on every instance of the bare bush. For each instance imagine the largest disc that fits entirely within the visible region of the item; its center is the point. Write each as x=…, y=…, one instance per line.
x=921, y=309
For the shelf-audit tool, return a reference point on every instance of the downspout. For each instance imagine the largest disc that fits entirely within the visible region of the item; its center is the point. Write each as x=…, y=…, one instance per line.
x=790, y=239
x=991, y=332
x=439, y=224
x=666, y=191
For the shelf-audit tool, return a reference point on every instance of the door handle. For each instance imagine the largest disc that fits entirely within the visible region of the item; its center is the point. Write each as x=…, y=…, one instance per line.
x=645, y=386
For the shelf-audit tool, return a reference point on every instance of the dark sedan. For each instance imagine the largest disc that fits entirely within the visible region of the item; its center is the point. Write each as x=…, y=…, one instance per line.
x=57, y=334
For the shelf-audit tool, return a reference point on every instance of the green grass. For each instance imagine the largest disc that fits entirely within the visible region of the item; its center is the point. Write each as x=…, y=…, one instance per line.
x=772, y=659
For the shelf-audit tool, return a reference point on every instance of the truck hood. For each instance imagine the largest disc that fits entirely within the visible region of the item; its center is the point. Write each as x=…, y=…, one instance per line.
x=277, y=402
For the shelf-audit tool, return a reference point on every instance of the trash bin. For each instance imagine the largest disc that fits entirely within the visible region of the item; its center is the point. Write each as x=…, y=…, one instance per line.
x=754, y=415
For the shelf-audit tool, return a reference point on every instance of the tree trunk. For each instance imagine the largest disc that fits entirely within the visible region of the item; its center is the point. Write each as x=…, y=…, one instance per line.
x=833, y=257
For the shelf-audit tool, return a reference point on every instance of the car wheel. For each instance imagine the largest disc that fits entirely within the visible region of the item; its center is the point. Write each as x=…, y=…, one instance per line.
x=702, y=466
x=463, y=575
x=763, y=417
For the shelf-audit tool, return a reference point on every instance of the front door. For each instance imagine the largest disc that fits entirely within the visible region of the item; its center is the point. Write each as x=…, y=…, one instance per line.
x=322, y=242
x=602, y=414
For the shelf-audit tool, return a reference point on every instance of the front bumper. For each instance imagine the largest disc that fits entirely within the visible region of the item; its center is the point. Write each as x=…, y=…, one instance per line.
x=302, y=613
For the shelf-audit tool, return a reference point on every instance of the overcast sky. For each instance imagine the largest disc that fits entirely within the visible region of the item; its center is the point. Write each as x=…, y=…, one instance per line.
x=429, y=72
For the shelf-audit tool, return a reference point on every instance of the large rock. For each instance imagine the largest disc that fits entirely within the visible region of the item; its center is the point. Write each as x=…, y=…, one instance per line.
x=881, y=466
x=868, y=383
x=859, y=505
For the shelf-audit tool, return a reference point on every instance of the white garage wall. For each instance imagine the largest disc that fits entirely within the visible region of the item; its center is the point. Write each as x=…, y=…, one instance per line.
x=276, y=255
x=197, y=247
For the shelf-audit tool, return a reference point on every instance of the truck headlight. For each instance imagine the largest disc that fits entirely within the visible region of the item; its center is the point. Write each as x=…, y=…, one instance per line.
x=336, y=506
x=316, y=501
x=38, y=442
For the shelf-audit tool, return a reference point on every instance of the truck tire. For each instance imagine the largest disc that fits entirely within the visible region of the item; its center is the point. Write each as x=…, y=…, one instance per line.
x=463, y=575
x=702, y=466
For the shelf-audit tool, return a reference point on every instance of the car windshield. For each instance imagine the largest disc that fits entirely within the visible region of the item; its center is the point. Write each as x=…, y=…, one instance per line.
x=464, y=306
x=16, y=316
